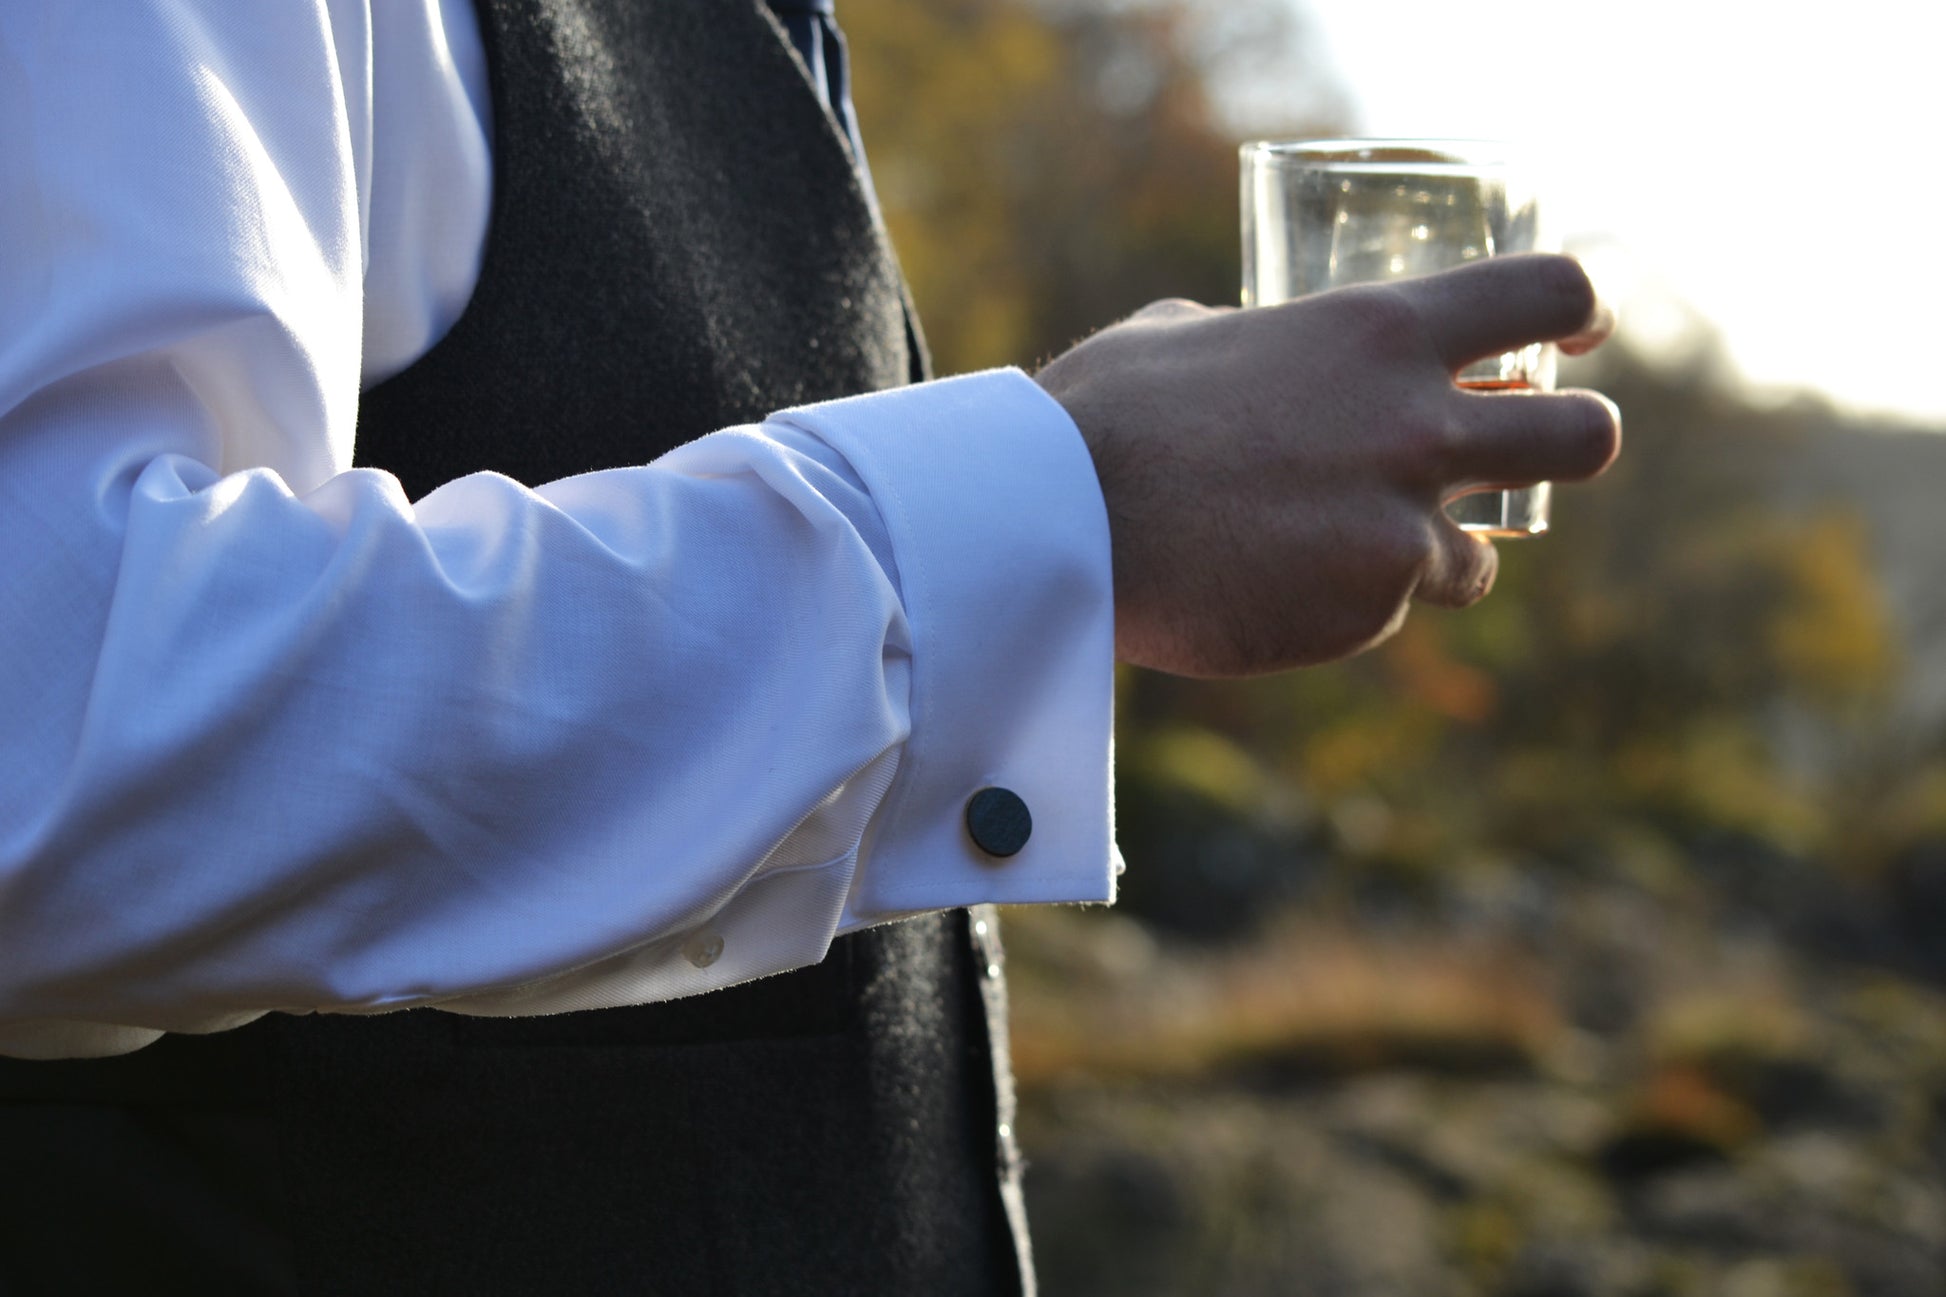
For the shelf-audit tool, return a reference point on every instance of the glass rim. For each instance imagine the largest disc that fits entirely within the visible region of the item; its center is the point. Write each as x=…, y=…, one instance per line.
x=1403, y=155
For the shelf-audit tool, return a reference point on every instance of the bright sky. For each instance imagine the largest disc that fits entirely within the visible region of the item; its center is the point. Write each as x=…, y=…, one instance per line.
x=1781, y=168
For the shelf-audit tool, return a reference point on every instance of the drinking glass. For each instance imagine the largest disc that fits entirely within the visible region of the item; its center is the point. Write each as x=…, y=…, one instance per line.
x=1321, y=214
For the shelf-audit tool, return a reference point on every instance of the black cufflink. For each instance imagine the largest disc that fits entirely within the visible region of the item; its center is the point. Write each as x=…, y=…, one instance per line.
x=998, y=821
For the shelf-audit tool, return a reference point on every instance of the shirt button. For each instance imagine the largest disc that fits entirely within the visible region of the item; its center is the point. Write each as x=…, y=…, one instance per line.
x=702, y=949
x=998, y=822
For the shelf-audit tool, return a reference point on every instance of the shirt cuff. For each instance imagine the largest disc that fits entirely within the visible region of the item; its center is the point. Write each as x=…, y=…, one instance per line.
x=1000, y=536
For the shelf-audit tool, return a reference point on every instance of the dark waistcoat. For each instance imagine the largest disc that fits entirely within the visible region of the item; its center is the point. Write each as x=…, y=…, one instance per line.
x=678, y=242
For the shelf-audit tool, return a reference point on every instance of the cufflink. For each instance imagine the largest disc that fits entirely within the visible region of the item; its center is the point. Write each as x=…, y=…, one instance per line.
x=998, y=822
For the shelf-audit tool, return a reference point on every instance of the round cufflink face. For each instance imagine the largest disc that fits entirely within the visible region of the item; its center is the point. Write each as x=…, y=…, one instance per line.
x=998, y=821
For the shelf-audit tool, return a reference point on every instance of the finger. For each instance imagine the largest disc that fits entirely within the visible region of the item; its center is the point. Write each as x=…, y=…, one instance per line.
x=1502, y=304
x=1461, y=570
x=1519, y=438
x=1600, y=327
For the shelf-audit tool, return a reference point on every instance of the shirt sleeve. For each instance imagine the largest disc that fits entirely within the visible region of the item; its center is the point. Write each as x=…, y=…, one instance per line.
x=279, y=738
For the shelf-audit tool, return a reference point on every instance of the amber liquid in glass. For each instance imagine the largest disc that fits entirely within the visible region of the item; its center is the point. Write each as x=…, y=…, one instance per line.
x=1501, y=513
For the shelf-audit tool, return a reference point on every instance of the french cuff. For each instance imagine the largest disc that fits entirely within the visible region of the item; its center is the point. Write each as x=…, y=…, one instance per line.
x=1001, y=540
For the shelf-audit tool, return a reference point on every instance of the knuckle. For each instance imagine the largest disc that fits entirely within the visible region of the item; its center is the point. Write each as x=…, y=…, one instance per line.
x=1170, y=308
x=1435, y=437
x=1427, y=437
x=1379, y=319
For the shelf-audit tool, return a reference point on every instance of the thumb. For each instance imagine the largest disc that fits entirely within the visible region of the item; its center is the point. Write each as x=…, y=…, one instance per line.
x=1461, y=570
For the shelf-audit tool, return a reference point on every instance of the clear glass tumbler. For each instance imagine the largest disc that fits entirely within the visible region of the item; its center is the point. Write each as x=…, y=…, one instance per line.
x=1321, y=214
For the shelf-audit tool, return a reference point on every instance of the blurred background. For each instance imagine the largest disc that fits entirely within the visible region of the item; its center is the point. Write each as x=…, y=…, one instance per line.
x=1593, y=940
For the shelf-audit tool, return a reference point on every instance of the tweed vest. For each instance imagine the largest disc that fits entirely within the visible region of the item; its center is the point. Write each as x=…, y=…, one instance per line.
x=678, y=242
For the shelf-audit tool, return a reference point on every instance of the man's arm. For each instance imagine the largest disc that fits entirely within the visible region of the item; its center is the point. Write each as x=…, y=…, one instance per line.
x=277, y=737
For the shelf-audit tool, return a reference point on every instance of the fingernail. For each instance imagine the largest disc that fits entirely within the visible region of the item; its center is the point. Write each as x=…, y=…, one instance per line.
x=1596, y=331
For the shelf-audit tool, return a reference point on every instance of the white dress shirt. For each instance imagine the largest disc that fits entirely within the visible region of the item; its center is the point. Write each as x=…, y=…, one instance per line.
x=276, y=737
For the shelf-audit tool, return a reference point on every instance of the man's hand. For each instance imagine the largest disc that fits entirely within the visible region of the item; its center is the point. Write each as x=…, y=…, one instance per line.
x=1274, y=477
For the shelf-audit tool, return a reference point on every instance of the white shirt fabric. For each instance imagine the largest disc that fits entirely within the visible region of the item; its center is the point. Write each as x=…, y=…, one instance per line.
x=276, y=737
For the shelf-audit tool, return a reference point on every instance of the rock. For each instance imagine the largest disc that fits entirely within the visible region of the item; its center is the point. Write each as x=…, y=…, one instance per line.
x=1588, y=1267
x=1711, y=1208
x=1134, y=1195
x=1917, y=893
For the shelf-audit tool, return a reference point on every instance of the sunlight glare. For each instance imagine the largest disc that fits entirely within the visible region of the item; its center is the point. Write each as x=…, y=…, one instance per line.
x=1770, y=174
